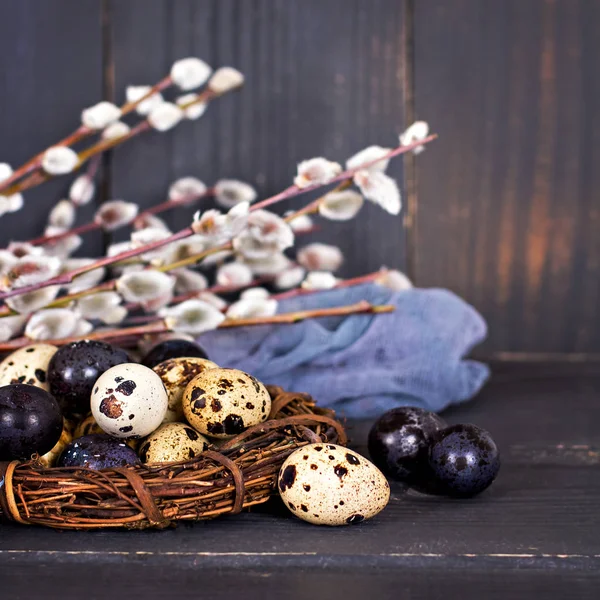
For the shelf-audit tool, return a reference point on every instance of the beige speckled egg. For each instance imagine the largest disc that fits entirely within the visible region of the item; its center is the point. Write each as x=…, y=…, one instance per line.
x=224, y=402
x=172, y=442
x=129, y=401
x=176, y=373
x=28, y=365
x=66, y=437
x=327, y=484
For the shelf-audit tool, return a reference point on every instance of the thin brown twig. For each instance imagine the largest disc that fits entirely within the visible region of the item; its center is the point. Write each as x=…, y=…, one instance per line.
x=94, y=226
x=37, y=178
x=78, y=135
x=362, y=307
x=341, y=284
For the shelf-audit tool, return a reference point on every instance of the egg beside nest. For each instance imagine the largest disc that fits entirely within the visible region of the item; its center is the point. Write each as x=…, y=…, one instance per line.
x=326, y=484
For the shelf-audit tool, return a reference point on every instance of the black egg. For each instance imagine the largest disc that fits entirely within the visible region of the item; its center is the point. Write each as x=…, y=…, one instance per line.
x=172, y=349
x=75, y=368
x=30, y=421
x=399, y=441
x=463, y=460
x=98, y=451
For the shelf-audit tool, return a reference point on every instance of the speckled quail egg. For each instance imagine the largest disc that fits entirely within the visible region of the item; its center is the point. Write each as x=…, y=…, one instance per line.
x=129, y=401
x=224, y=402
x=30, y=421
x=66, y=437
x=172, y=442
x=28, y=365
x=75, y=368
x=97, y=451
x=327, y=484
x=176, y=373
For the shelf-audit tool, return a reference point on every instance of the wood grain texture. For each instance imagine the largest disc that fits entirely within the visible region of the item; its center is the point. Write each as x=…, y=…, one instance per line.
x=508, y=197
x=51, y=64
x=534, y=529
x=322, y=78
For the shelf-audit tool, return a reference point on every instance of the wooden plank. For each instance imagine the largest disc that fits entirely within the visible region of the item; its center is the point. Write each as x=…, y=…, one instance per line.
x=323, y=78
x=508, y=209
x=535, y=529
x=51, y=63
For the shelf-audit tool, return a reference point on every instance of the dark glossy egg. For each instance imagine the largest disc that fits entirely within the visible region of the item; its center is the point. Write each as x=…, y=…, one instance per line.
x=399, y=441
x=172, y=349
x=463, y=461
x=75, y=368
x=98, y=451
x=30, y=421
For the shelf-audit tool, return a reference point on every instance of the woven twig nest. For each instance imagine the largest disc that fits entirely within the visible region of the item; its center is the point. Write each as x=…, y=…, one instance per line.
x=238, y=474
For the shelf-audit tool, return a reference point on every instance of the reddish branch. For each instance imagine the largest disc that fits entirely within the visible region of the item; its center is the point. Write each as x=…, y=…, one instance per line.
x=78, y=135
x=114, y=335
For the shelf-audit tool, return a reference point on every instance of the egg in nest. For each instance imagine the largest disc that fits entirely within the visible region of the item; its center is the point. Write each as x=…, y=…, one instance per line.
x=224, y=402
x=129, y=401
x=28, y=365
x=176, y=373
x=326, y=484
x=173, y=442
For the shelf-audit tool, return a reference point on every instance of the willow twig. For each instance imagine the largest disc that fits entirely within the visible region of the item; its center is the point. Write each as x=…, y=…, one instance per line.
x=37, y=178
x=160, y=326
x=81, y=133
x=94, y=226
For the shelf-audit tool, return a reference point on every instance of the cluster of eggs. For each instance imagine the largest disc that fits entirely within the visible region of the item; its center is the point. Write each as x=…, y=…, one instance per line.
x=418, y=448
x=88, y=405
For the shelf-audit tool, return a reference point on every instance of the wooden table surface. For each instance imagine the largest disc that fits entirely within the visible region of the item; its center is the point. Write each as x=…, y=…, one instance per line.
x=537, y=530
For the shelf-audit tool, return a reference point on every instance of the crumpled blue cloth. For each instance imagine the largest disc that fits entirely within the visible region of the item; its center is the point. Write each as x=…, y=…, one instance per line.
x=363, y=365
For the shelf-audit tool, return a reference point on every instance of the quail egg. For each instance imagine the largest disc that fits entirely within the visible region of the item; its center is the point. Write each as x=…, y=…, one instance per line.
x=463, y=461
x=328, y=484
x=399, y=442
x=74, y=369
x=97, y=451
x=30, y=421
x=176, y=373
x=28, y=365
x=172, y=442
x=224, y=402
x=129, y=401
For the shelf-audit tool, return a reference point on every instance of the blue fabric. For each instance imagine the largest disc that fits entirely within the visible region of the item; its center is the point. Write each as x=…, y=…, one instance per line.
x=363, y=365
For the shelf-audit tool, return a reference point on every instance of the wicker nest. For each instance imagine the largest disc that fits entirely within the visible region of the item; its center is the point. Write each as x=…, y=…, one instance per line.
x=224, y=480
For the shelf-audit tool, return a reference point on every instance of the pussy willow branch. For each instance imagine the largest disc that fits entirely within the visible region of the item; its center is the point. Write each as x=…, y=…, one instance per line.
x=369, y=277
x=294, y=190
x=66, y=278
x=38, y=178
x=81, y=133
x=160, y=326
x=94, y=226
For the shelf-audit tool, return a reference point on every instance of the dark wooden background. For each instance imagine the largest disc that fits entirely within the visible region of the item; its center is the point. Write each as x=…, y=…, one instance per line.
x=503, y=209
